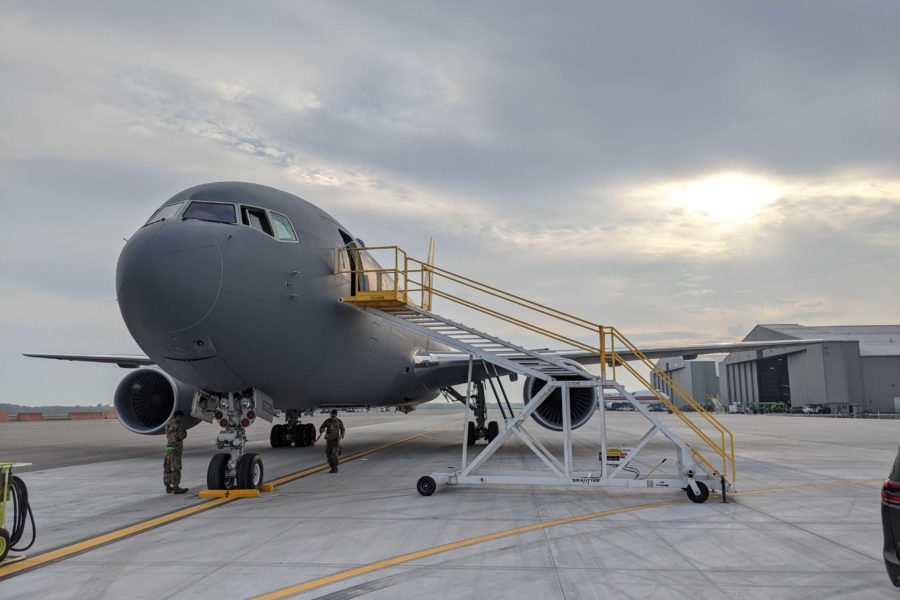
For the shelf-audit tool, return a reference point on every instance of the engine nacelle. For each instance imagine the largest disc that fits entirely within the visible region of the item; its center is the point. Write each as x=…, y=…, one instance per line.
x=146, y=399
x=582, y=402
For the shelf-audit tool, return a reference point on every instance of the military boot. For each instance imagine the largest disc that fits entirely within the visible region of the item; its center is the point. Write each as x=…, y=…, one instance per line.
x=178, y=490
x=168, y=489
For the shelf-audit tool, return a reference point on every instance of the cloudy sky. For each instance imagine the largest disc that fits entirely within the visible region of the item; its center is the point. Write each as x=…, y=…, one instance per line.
x=682, y=173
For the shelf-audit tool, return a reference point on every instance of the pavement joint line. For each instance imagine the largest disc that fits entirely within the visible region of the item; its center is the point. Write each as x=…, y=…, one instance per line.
x=69, y=550
x=489, y=537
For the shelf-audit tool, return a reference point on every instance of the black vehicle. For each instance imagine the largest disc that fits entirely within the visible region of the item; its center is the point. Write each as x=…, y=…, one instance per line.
x=890, y=522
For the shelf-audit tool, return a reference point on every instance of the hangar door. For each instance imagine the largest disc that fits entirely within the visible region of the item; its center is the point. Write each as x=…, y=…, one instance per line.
x=772, y=379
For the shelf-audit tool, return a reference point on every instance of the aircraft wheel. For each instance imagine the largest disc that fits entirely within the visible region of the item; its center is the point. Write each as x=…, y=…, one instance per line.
x=493, y=431
x=473, y=437
x=276, y=437
x=426, y=485
x=4, y=543
x=297, y=435
x=215, y=473
x=249, y=472
x=698, y=498
x=310, y=433
x=305, y=435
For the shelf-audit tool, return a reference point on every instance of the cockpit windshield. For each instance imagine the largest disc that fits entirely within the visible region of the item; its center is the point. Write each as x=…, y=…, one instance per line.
x=166, y=212
x=218, y=212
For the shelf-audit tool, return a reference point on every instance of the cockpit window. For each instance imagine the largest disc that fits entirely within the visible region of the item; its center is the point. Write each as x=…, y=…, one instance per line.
x=284, y=231
x=166, y=212
x=211, y=211
x=257, y=219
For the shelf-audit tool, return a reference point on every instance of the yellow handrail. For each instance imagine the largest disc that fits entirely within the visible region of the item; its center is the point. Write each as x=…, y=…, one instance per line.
x=513, y=298
x=691, y=425
x=411, y=276
x=690, y=401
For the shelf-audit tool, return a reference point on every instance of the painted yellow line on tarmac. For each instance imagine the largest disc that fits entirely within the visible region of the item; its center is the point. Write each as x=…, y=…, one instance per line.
x=405, y=558
x=119, y=534
x=106, y=538
x=802, y=486
x=411, y=556
x=354, y=456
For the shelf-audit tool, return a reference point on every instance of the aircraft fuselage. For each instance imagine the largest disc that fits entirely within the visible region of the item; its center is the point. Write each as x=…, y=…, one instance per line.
x=226, y=307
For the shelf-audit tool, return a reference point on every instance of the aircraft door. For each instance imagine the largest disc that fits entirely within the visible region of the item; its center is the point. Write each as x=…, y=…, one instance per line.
x=354, y=255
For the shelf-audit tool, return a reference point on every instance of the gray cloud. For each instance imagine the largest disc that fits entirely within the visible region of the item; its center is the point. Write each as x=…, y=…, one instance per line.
x=537, y=145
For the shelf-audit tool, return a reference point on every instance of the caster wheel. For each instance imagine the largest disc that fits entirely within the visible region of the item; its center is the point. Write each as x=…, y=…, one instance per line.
x=215, y=473
x=249, y=472
x=426, y=485
x=493, y=431
x=276, y=437
x=310, y=432
x=472, y=435
x=702, y=496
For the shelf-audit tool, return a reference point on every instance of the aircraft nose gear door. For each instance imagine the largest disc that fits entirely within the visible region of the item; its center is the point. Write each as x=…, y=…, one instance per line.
x=234, y=413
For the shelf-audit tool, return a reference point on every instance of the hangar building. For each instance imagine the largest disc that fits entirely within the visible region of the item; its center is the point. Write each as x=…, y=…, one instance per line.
x=849, y=368
x=696, y=377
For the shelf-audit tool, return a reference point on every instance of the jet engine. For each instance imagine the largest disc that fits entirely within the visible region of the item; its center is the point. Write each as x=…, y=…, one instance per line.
x=582, y=402
x=147, y=398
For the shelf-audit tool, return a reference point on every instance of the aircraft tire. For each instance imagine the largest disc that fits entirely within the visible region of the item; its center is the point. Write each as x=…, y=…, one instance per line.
x=426, y=485
x=473, y=437
x=310, y=430
x=702, y=497
x=297, y=435
x=215, y=473
x=250, y=471
x=493, y=431
x=276, y=437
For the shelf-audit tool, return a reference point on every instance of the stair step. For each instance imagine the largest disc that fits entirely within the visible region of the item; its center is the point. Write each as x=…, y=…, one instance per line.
x=484, y=345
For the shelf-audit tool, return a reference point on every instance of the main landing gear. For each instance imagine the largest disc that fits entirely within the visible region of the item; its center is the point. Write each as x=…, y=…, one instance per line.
x=293, y=432
x=232, y=467
x=480, y=428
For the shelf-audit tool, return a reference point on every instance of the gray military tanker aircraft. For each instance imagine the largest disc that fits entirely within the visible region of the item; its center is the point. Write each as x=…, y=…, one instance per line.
x=233, y=292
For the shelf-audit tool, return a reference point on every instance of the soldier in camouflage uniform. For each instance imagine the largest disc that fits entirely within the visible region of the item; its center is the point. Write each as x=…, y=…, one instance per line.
x=334, y=433
x=175, y=435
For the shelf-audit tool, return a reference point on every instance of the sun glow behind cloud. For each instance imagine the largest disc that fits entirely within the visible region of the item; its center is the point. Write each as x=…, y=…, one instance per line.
x=727, y=198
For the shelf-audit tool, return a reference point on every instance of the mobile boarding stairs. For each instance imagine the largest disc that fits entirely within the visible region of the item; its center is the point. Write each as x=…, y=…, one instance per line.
x=704, y=448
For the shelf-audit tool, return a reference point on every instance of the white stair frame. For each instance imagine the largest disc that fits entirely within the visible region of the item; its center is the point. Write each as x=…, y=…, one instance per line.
x=561, y=473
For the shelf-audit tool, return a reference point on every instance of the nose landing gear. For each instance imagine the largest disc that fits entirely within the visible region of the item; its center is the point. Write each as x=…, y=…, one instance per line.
x=231, y=467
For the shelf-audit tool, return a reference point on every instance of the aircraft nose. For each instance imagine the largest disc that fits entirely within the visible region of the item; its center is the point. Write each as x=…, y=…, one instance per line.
x=168, y=277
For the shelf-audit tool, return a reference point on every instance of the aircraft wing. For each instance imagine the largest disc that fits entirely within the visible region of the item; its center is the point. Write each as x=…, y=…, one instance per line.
x=687, y=352
x=451, y=368
x=126, y=361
